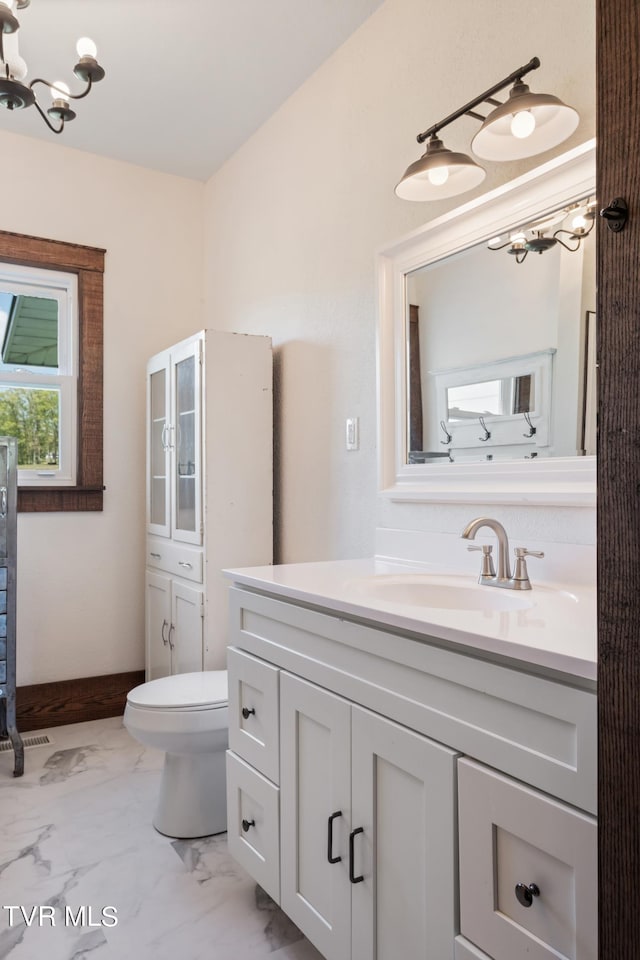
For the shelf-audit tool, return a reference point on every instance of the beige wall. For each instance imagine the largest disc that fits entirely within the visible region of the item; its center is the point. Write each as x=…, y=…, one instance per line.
x=81, y=576
x=294, y=218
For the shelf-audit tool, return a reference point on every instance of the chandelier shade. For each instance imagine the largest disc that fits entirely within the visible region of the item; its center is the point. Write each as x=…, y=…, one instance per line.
x=439, y=173
x=545, y=121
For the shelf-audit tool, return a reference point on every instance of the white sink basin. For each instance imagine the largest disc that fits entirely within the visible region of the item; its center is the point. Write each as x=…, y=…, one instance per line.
x=441, y=593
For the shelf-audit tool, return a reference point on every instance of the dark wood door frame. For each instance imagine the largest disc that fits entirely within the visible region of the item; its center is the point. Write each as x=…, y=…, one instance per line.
x=618, y=132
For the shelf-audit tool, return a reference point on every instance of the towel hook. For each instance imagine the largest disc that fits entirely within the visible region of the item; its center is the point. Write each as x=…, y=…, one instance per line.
x=448, y=436
x=487, y=433
x=532, y=430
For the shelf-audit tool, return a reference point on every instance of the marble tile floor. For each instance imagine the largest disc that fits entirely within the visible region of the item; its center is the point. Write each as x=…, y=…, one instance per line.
x=75, y=832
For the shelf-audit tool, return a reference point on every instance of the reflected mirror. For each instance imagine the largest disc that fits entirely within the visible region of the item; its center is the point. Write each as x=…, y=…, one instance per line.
x=497, y=344
x=487, y=372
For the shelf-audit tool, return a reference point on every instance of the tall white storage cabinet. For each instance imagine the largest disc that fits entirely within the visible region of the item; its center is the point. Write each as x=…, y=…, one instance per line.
x=209, y=491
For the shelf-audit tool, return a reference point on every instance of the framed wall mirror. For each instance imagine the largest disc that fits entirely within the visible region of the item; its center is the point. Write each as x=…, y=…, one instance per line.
x=486, y=346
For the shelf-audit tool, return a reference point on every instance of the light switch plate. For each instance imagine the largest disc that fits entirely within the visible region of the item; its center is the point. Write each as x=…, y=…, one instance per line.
x=352, y=433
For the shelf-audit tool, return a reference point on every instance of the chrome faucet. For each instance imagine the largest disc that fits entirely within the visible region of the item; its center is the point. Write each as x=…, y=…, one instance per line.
x=520, y=579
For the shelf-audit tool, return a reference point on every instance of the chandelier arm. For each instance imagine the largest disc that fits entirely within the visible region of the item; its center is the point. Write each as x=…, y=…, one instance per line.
x=533, y=64
x=566, y=245
x=46, y=119
x=501, y=247
x=52, y=86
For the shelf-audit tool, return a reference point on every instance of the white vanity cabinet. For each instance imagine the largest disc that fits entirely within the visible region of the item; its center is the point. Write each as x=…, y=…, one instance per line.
x=209, y=490
x=367, y=835
x=393, y=791
x=367, y=820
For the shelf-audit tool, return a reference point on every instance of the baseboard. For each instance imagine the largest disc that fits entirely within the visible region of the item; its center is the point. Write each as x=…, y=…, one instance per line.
x=73, y=701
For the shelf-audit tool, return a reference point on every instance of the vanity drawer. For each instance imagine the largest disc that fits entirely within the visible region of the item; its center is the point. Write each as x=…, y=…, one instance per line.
x=253, y=712
x=175, y=558
x=510, y=834
x=253, y=818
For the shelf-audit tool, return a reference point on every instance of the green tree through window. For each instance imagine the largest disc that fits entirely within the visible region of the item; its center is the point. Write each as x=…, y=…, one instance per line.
x=32, y=415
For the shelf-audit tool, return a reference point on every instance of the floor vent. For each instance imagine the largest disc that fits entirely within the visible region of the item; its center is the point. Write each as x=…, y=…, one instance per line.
x=27, y=742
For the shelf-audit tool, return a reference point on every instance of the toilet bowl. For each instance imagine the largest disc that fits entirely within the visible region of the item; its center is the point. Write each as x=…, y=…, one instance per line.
x=187, y=716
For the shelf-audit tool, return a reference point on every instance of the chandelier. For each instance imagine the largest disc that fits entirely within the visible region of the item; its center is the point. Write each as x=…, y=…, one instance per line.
x=14, y=92
x=536, y=237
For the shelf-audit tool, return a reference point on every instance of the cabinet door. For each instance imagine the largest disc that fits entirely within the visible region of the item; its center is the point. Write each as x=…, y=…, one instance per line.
x=187, y=443
x=157, y=625
x=186, y=628
x=314, y=788
x=528, y=870
x=403, y=798
x=158, y=446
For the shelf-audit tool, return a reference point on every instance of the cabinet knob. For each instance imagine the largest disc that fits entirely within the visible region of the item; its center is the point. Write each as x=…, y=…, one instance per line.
x=247, y=824
x=525, y=894
x=246, y=713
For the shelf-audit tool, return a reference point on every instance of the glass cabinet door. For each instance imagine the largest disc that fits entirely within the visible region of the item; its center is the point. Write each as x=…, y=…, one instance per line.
x=186, y=466
x=159, y=438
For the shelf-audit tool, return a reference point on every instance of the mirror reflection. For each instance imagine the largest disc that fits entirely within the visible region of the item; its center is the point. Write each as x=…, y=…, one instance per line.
x=500, y=341
x=494, y=398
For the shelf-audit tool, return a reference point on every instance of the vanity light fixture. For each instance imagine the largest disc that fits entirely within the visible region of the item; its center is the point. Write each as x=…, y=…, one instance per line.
x=16, y=95
x=526, y=124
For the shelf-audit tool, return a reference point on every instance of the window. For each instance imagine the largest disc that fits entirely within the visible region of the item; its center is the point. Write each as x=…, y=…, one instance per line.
x=51, y=370
x=39, y=372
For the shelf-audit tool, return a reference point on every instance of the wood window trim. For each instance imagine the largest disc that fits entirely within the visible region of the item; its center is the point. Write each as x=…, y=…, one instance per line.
x=88, y=265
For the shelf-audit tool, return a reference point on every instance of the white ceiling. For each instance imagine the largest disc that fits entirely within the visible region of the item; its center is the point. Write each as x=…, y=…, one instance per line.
x=187, y=81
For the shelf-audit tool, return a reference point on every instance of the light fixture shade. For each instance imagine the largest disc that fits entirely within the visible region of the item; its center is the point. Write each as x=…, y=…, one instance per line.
x=438, y=174
x=554, y=122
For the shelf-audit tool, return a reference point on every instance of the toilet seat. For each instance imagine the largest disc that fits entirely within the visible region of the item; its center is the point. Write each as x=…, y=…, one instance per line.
x=182, y=691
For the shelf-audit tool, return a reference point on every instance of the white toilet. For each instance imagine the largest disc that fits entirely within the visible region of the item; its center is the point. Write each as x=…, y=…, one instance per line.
x=186, y=715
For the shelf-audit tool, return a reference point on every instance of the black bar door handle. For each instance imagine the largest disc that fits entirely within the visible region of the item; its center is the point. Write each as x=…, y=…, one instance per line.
x=330, y=856
x=352, y=836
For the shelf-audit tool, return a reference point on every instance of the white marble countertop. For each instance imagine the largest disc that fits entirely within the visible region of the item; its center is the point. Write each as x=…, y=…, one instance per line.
x=552, y=626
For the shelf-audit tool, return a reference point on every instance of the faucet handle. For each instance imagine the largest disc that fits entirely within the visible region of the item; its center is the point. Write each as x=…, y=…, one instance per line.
x=521, y=564
x=488, y=569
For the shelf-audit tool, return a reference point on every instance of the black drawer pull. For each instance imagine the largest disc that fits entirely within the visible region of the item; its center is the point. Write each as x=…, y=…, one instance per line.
x=330, y=856
x=246, y=713
x=352, y=836
x=246, y=824
x=525, y=894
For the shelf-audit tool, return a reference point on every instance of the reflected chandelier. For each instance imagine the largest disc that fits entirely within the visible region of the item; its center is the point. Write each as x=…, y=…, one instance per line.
x=536, y=237
x=15, y=94
x=524, y=125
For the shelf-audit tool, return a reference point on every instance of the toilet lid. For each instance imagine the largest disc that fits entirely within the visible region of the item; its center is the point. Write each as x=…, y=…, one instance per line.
x=208, y=688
